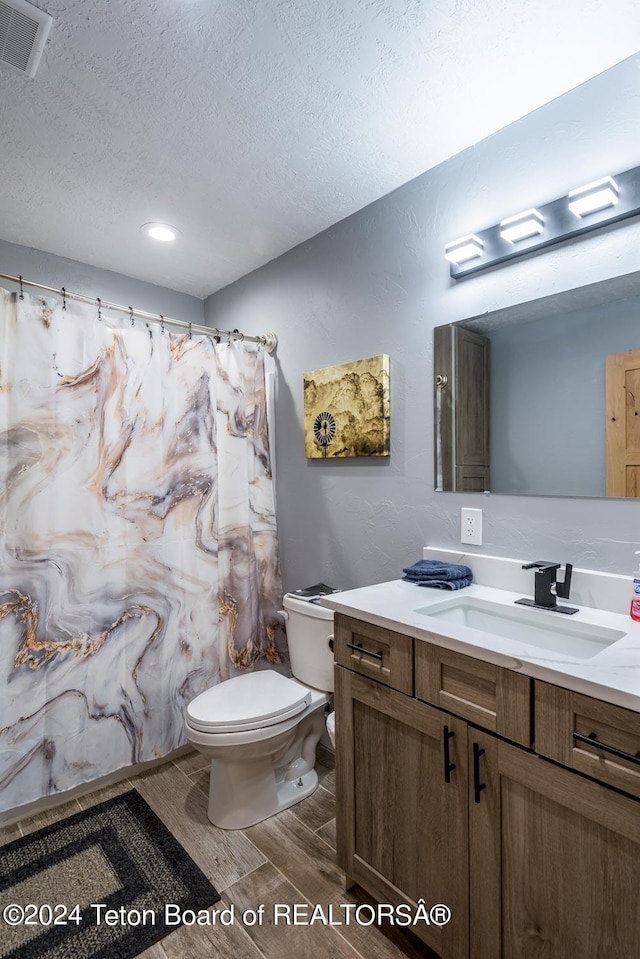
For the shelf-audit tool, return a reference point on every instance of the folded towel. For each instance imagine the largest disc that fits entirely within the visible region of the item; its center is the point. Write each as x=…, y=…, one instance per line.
x=433, y=569
x=441, y=583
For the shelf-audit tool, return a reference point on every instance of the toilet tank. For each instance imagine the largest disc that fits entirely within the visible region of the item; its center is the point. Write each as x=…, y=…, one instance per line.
x=309, y=629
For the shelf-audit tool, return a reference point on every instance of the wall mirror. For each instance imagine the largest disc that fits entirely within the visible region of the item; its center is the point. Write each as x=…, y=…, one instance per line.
x=542, y=398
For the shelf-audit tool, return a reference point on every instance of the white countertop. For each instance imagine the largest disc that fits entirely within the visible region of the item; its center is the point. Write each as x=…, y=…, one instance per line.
x=612, y=675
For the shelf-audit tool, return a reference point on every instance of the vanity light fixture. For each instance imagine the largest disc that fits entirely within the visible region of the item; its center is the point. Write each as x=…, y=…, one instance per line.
x=594, y=206
x=463, y=249
x=160, y=231
x=594, y=196
x=522, y=226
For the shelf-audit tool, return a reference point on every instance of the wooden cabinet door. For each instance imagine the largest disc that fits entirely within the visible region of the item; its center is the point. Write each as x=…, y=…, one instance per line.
x=485, y=872
x=402, y=828
x=564, y=850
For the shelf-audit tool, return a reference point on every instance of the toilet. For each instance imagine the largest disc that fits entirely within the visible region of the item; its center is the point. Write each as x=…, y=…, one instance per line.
x=261, y=729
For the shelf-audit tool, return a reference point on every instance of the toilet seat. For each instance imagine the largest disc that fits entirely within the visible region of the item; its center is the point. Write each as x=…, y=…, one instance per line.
x=251, y=701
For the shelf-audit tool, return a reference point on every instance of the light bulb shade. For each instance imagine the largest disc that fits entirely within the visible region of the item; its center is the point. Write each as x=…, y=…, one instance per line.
x=594, y=196
x=160, y=231
x=522, y=226
x=463, y=249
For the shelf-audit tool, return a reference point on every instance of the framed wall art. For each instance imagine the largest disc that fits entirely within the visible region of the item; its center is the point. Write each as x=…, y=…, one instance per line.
x=346, y=409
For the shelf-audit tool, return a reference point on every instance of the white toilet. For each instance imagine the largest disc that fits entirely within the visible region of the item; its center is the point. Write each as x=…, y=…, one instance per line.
x=261, y=729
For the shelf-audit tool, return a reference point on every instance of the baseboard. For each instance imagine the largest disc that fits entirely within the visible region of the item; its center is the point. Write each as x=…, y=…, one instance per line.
x=11, y=816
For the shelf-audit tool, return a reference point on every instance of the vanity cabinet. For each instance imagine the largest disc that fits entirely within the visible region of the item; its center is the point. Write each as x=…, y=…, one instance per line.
x=402, y=823
x=453, y=800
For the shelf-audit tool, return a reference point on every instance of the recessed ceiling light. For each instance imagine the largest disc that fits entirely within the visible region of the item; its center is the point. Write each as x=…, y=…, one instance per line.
x=160, y=231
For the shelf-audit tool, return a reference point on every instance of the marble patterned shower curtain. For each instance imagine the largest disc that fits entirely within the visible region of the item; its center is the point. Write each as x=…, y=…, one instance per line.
x=138, y=546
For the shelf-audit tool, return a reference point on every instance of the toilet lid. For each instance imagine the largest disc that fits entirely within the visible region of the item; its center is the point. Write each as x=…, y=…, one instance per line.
x=250, y=701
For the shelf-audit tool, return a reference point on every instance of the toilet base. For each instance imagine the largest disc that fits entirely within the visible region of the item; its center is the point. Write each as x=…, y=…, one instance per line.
x=257, y=792
x=294, y=791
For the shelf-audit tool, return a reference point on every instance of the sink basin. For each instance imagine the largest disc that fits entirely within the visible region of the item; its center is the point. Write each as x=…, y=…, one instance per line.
x=540, y=628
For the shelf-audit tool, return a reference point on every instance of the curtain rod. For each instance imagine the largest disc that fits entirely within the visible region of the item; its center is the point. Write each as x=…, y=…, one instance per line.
x=269, y=340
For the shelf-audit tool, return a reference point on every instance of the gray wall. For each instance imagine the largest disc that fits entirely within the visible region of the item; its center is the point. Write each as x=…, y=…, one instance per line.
x=377, y=282
x=547, y=382
x=77, y=277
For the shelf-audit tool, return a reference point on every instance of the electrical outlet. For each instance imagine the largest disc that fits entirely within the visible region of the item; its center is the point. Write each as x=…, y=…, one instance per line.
x=471, y=526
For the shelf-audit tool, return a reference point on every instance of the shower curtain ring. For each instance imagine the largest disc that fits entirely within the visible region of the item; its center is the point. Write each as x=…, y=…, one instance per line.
x=189, y=330
x=99, y=309
x=239, y=335
x=131, y=316
x=21, y=297
x=64, y=298
x=162, y=324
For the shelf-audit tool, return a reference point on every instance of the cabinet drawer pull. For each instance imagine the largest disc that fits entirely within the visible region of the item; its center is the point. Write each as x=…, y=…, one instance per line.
x=593, y=740
x=448, y=765
x=477, y=785
x=359, y=648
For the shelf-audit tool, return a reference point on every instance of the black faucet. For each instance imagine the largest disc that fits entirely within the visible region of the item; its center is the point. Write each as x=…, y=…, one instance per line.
x=547, y=587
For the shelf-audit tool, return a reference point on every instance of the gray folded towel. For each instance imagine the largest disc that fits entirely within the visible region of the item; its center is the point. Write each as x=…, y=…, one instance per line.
x=441, y=583
x=430, y=570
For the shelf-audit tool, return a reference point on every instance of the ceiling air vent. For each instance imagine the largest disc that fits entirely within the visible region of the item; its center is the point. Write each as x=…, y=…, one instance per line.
x=23, y=34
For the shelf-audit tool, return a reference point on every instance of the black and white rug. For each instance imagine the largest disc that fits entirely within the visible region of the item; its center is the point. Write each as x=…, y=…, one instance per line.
x=105, y=883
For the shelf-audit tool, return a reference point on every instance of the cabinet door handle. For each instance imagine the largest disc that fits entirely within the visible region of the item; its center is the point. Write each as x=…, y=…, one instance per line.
x=448, y=765
x=477, y=785
x=374, y=653
x=593, y=740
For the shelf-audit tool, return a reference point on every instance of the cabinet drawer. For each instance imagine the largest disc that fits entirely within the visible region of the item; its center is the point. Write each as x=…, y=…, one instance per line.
x=566, y=722
x=489, y=696
x=374, y=652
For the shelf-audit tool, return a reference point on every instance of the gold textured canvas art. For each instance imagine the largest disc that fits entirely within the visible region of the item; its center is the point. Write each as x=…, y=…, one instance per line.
x=346, y=409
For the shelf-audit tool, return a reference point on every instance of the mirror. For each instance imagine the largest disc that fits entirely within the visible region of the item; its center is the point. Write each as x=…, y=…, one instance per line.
x=528, y=386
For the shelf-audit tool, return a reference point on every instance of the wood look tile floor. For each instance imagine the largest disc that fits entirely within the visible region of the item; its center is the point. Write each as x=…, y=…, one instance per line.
x=287, y=859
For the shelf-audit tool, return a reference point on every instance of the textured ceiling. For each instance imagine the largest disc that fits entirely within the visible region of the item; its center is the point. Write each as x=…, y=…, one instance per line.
x=252, y=125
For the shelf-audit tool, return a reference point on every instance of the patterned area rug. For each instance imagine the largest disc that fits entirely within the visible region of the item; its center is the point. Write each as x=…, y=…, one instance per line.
x=105, y=883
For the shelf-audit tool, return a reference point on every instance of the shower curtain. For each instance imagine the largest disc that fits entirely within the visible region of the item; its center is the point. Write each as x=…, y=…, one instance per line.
x=138, y=545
